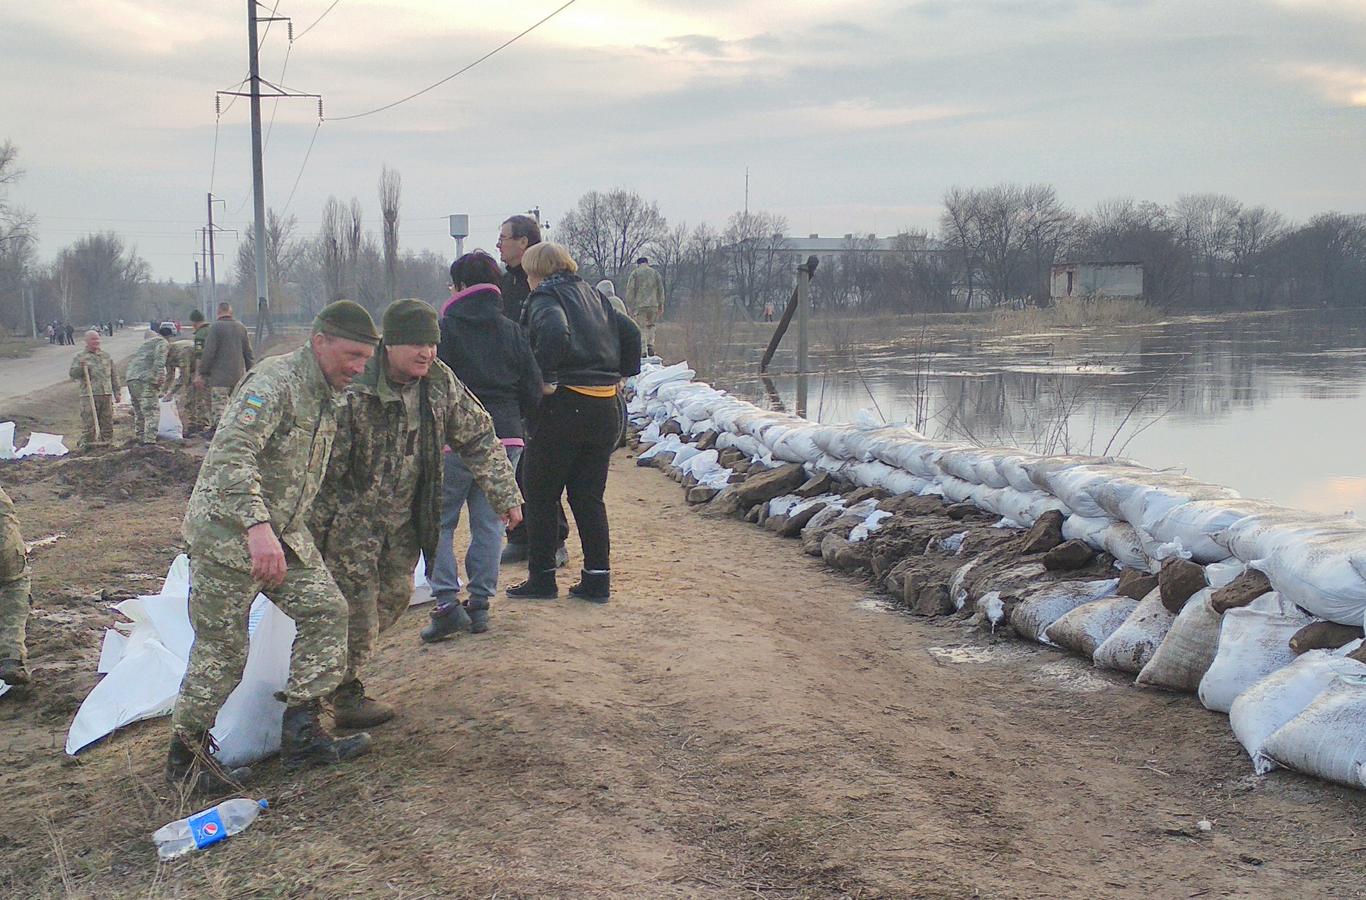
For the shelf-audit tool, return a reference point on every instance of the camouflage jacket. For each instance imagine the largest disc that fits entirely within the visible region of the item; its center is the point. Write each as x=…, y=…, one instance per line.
x=266, y=461
x=644, y=291
x=181, y=363
x=368, y=425
x=149, y=361
x=103, y=378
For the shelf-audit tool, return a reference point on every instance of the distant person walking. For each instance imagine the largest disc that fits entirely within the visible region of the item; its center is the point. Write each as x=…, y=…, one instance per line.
x=645, y=301
x=768, y=311
x=70, y=332
x=226, y=358
x=584, y=348
x=145, y=376
x=491, y=356
x=93, y=372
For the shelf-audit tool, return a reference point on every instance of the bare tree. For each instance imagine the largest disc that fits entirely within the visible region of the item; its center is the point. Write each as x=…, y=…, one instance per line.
x=283, y=254
x=330, y=249
x=755, y=248
x=390, y=188
x=606, y=232
x=668, y=252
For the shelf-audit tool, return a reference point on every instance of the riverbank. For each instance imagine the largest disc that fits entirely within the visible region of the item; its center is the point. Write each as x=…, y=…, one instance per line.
x=739, y=721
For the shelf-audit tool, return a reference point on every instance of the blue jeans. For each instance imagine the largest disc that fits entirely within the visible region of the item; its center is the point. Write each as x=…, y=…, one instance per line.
x=486, y=535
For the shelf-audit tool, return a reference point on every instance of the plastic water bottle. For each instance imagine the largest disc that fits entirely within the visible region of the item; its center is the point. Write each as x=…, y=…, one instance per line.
x=204, y=829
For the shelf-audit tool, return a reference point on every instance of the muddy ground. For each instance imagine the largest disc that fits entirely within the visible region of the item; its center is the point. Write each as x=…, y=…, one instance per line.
x=740, y=721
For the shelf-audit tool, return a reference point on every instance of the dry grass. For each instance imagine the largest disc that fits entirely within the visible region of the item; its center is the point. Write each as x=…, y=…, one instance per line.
x=1073, y=312
x=12, y=347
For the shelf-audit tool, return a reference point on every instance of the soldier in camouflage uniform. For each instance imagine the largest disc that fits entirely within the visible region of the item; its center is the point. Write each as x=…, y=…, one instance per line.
x=14, y=596
x=380, y=503
x=97, y=403
x=197, y=403
x=145, y=376
x=246, y=526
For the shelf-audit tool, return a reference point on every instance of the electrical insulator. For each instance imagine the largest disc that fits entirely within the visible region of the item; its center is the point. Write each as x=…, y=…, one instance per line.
x=291, y=31
x=218, y=104
x=320, y=108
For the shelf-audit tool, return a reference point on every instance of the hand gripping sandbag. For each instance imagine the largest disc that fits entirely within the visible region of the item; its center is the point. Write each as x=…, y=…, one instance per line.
x=1327, y=739
x=1187, y=651
x=1045, y=605
x=1262, y=709
x=1085, y=628
x=1135, y=642
x=1253, y=642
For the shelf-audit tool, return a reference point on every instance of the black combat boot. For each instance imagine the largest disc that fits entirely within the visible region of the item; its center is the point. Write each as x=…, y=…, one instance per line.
x=190, y=765
x=538, y=586
x=513, y=553
x=478, y=609
x=13, y=673
x=595, y=587
x=447, y=619
x=352, y=709
x=304, y=742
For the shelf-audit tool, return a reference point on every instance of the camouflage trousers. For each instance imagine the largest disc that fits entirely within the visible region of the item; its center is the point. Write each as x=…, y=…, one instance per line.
x=104, y=408
x=146, y=410
x=195, y=407
x=14, y=586
x=220, y=604
x=374, y=569
x=218, y=401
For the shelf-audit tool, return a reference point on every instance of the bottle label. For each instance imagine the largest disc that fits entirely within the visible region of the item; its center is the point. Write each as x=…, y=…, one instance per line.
x=207, y=828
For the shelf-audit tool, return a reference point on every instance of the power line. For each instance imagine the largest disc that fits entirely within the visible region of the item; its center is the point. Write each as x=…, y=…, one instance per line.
x=438, y=84
x=297, y=178
x=317, y=20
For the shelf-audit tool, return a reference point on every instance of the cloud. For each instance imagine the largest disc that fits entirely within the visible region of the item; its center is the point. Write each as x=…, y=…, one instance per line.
x=1339, y=84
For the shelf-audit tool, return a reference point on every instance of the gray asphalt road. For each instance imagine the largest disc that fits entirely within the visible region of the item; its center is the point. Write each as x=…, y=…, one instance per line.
x=48, y=365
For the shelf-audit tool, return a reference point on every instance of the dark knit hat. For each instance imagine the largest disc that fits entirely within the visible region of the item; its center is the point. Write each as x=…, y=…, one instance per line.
x=410, y=322
x=346, y=319
x=166, y=331
x=196, y=316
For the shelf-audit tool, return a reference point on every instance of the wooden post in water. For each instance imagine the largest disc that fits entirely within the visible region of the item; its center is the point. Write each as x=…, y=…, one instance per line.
x=804, y=273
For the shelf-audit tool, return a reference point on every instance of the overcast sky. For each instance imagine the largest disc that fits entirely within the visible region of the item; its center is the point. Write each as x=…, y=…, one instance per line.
x=852, y=115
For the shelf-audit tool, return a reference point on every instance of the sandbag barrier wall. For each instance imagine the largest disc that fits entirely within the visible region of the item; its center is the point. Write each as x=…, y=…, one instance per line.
x=1185, y=584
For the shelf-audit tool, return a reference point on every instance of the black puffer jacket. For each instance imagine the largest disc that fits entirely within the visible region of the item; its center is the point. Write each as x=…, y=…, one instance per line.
x=490, y=354
x=578, y=338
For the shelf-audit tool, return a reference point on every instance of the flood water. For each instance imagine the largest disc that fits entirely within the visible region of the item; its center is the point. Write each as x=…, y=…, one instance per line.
x=1273, y=406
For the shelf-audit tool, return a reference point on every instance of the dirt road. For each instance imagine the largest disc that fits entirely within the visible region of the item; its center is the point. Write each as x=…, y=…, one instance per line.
x=48, y=365
x=738, y=722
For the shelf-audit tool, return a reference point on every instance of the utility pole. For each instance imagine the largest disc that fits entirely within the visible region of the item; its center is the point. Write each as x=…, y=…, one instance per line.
x=257, y=176
x=32, y=318
x=201, y=272
x=213, y=267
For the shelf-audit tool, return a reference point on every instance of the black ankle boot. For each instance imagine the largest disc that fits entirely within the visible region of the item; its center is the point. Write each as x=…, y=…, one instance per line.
x=190, y=764
x=595, y=587
x=538, y=586
x=304, y=742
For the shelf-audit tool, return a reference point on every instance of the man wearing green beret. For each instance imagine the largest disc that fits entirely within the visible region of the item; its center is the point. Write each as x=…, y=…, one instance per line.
x=247, y=529
x=380, y=502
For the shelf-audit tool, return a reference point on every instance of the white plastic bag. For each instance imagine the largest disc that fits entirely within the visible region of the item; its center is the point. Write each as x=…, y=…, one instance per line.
x=1327, y=739
x=169, y=427
x=248, y=725
x=1262, y=709
x=6, y=440
x=1253, y=642
x=1187, y=651
x=1135, y=642
x=40, y=443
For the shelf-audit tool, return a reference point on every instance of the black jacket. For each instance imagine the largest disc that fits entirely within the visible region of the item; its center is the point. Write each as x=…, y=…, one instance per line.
x=490, y=354
x=515, y=289
x=578, y=338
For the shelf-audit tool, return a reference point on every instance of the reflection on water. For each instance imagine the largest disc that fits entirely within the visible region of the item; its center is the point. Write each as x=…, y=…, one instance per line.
x=1271, y=405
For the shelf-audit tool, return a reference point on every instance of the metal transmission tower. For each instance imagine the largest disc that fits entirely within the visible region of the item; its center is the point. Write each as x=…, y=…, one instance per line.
x=255, y=81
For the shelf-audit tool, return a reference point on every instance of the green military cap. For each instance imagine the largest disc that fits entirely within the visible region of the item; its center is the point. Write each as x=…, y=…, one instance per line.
x=346, y=319
x=410, y=322
x=196, y=316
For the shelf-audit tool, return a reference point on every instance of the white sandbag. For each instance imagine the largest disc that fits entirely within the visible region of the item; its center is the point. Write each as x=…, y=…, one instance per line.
x=6, y=440
x=1222, y=573
x=958, y=584
x=1189, y=648
x=1070, y=485
x=1012, y=468
x=1086, y=528
x=1043, y=606
x=1085, y=628
x=869, y=474
x=917, y=457
x=1324, y=573
x=1257, y=536
x=823, y=518
x=1263, y=708
x=1133, y=644
x=901, y=482
x=670, y=443
x=1327, y=739
x=869, y=525
x=1122, y=541
x=1194, y=525
x=1254, y=641
x=169, y=427
x=42, y=444
x=248, y=724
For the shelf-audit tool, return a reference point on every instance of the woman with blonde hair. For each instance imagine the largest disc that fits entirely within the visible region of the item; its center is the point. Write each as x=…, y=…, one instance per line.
x=584, y=348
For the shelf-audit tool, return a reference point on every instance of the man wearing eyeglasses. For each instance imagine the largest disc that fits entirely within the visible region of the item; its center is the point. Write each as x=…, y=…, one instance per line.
x=514, y=237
